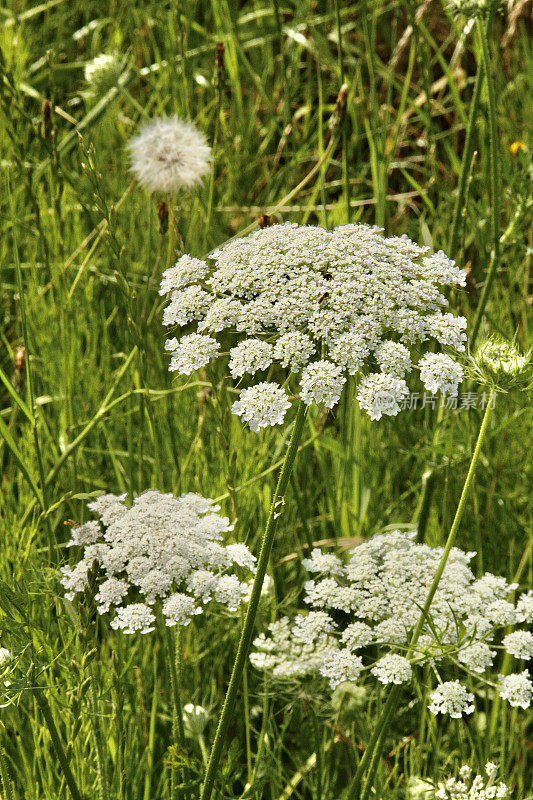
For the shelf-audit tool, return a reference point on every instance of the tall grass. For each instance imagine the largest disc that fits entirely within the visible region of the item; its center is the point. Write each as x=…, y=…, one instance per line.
x=89, y=406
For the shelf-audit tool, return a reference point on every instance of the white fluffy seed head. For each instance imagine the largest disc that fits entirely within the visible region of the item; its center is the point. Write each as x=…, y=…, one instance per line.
x=169, y=154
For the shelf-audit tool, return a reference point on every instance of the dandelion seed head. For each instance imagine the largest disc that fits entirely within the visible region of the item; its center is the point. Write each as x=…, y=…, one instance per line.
x=169, y=154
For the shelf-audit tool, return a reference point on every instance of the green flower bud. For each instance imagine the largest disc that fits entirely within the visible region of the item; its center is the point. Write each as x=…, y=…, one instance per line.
x=501, y=366
x=195, y=718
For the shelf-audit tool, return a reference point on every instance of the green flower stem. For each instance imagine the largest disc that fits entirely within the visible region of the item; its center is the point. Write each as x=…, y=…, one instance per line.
x=42, y=702
x=345, y=166
x=429, y=476
x=465, y=163
x=173, y=654
x=494, y=185
x=455, y=524
x=43, y=499
x=370, y=757
x=101, y=760
x=249, y=620
x=5, y=780
x=318, y=752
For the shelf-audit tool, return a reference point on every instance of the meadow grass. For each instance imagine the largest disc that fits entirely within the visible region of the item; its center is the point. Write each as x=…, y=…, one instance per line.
x=88, y=404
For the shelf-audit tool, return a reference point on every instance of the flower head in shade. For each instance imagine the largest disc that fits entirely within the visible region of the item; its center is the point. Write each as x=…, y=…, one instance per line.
x=169, y=154
x=468, y=787
x=103, y=73
x=161, y=552
x=371, y=603
x=305, y=307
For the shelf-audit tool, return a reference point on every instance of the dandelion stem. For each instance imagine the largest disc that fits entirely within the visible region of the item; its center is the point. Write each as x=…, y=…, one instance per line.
x=249, y=620
x=494, y=186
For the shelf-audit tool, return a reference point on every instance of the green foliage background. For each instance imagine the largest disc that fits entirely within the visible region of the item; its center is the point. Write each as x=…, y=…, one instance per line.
x=109, y=417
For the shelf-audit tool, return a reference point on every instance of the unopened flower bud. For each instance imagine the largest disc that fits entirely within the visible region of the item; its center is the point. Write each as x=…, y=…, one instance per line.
x=195, y=718
x=501, y=366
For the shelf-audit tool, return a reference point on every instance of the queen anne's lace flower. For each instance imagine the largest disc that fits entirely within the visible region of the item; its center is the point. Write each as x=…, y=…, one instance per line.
x=250, y=356
x=375, y=598
x=382, y=393
x=191, y=352
x=322, y=383
x=339, y=666
x=393, y=358
x=187, y=270
x=439, y=372
x=168, y=154
x=472, y=789
x=477, y=657
x=294, y=350
x=516, y=689
x=327, y=303
x=524, y=608
x=163, y=552
x=451, y=698
x=5, y=656
x=519, y=644
x=262, y=405
x=392, y=668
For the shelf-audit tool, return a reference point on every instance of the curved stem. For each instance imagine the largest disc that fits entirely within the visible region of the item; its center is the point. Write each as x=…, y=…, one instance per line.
x=249, y=620
x=494, y=186
x=455, y=524
x=370, y=757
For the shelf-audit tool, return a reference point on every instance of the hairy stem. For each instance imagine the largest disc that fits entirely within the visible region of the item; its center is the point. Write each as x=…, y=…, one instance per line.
x=46, y=711
x=370, y=759
x=494, y=186
x=249, y=620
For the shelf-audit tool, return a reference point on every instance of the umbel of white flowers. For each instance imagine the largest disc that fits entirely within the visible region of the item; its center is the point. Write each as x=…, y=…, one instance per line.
x=466, y=787
x=169, y=154
x=162, y=551
x=372, y=604
x=306, y=307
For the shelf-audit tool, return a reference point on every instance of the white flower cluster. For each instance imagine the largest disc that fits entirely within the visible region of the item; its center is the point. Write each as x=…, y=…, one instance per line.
x=302, y=299
x=479, y=788
x=162, y=551
x=168, y=154
x=375, y=598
